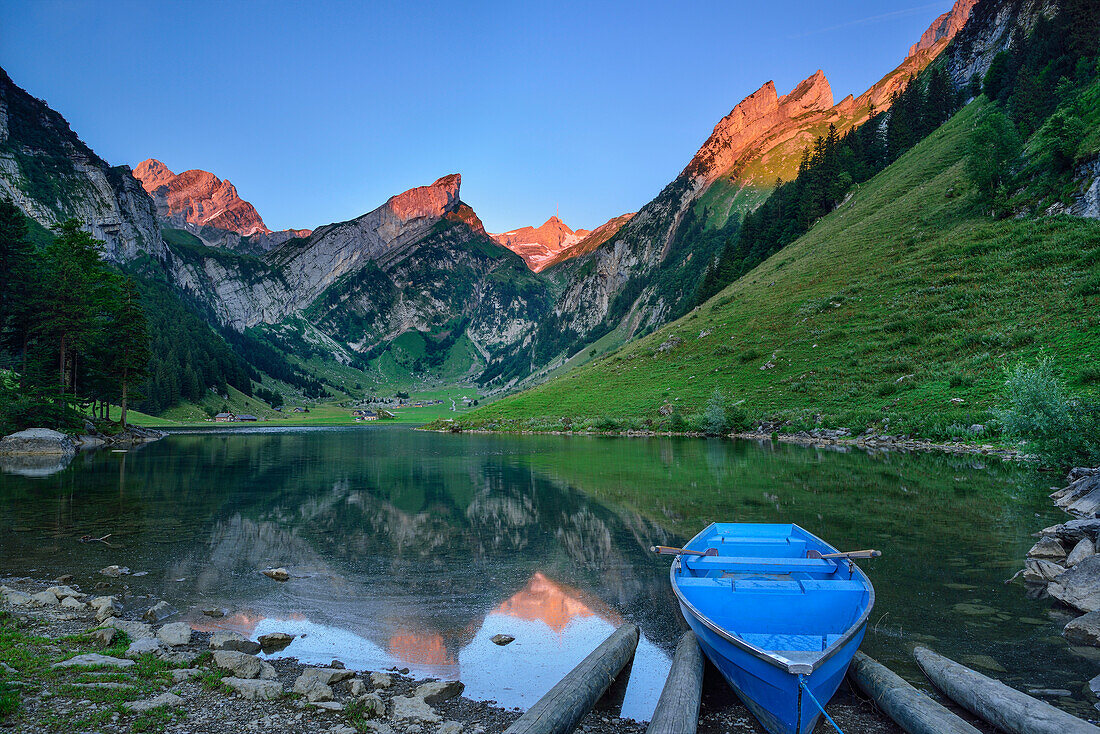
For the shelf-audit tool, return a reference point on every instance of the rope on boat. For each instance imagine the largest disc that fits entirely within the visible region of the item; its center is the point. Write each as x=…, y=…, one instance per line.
x=806, y=688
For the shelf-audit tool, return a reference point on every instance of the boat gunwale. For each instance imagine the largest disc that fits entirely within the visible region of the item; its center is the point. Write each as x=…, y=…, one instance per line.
x=790, y=666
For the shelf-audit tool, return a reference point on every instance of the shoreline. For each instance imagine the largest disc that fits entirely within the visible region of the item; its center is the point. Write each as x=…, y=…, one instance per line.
x=168, y=676
x=825, y=438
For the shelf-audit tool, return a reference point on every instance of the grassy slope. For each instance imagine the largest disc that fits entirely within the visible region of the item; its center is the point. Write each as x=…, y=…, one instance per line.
x=903, y=282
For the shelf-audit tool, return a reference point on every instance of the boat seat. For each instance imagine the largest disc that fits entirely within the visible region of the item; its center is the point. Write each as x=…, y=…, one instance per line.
x=833, y=585
x=749, y=564
x=785, y=585
x=785, y=642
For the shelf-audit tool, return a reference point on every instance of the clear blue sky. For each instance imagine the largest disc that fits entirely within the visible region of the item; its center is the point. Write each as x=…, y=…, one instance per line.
x=319, y=111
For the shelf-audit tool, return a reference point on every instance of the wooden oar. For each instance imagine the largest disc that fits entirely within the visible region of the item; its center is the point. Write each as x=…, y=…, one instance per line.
x=847, y=554
x=665, y=550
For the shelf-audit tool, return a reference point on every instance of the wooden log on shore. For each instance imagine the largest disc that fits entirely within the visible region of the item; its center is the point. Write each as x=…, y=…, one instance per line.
x=677, y=709
x=993, y=701
x=571, y=698
x=910, y=709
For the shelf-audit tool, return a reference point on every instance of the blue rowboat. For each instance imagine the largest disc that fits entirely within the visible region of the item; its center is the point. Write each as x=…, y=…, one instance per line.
x=780, y=622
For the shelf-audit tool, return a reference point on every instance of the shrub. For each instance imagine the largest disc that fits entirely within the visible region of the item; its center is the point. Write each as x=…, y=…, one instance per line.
x=714, y=419
x=1062, y=431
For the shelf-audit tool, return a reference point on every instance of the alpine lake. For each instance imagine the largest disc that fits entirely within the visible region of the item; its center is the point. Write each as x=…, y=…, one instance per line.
x=411, y=549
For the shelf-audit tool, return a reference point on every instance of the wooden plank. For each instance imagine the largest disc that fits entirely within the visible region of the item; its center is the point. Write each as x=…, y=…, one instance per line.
x=912, y=710
x=761, y=564
x=571, y=698
x=677, y=709
x=993, y=701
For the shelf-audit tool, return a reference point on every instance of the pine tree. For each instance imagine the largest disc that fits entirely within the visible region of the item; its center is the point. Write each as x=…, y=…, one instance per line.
x=130, y=360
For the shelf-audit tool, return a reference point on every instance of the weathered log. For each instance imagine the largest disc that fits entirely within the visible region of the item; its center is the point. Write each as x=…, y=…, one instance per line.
x=571, y=698
x=910, y=709
x=677, y=709
x=993, y=701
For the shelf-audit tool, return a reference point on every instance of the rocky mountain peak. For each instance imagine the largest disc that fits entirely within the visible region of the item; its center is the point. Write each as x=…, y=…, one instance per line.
x=199, y=198
x=435, y=200
x=945, y=26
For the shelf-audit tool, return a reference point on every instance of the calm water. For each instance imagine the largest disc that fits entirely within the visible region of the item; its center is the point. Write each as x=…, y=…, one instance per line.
x=413, y=549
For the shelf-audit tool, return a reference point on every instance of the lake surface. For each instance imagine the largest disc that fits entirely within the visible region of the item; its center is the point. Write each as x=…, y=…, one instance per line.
x=413, y=549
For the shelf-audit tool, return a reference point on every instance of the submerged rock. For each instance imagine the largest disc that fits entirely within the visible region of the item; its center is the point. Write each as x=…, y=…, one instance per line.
x=278, y=574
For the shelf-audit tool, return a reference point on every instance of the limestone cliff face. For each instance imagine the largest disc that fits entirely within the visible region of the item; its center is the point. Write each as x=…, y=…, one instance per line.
x=198, y=197
x=51, y=175
x=209, y=208
x=992, y=28
x=945, y=26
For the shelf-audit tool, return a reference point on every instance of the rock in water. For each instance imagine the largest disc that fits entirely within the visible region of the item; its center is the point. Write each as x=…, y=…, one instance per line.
x=115, y=571
x=278, y=574
x=229, y=640
x=1048, y=548
x=1084, y=630
x=1079, y=587
x=502, y=639
x=1039, y=571
x=1084, y=548
x=437, y=691
x=38, y=442
x=274, y=642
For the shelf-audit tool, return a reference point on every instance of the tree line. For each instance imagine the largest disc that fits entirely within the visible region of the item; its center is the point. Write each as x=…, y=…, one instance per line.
x=72, y=329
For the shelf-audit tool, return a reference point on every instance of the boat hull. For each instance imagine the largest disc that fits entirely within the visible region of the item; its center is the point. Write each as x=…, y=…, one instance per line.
x=771, y=693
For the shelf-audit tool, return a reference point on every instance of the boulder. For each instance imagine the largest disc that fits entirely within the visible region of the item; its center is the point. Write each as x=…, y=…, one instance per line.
x=313, y=689
x=449, y=727
x=243, y=665
x=38, y=442
x=374, y=707
x=94, y=659
x=229, y=640
x=17, y=598
x=175, y=634
x=253, y=689
x=144, y=646
x=437, y=691
x=134, y=630
x=1084, y=548
x=1084, y=630
x=328, y=676
x=1079, y=587
x=63, y=592
x=164, y=699
x=103, y=636
x=105, y=607
x=1048, y=548
x=414, y=709
x=71, y=602
x=157, y=612
x=1039, y=571
x=278, y=574
x=357, y=687
x=1072, y=531
x=274, y=642
x=45, y=599
x=179, y=676
x=381, y=680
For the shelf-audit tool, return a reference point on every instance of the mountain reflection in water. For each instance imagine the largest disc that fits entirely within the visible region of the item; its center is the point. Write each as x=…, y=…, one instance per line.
x=413, y=549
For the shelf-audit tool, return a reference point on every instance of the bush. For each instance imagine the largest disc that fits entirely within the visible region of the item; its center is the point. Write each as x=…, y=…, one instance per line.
x=1062, y=431
x=714, y=417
